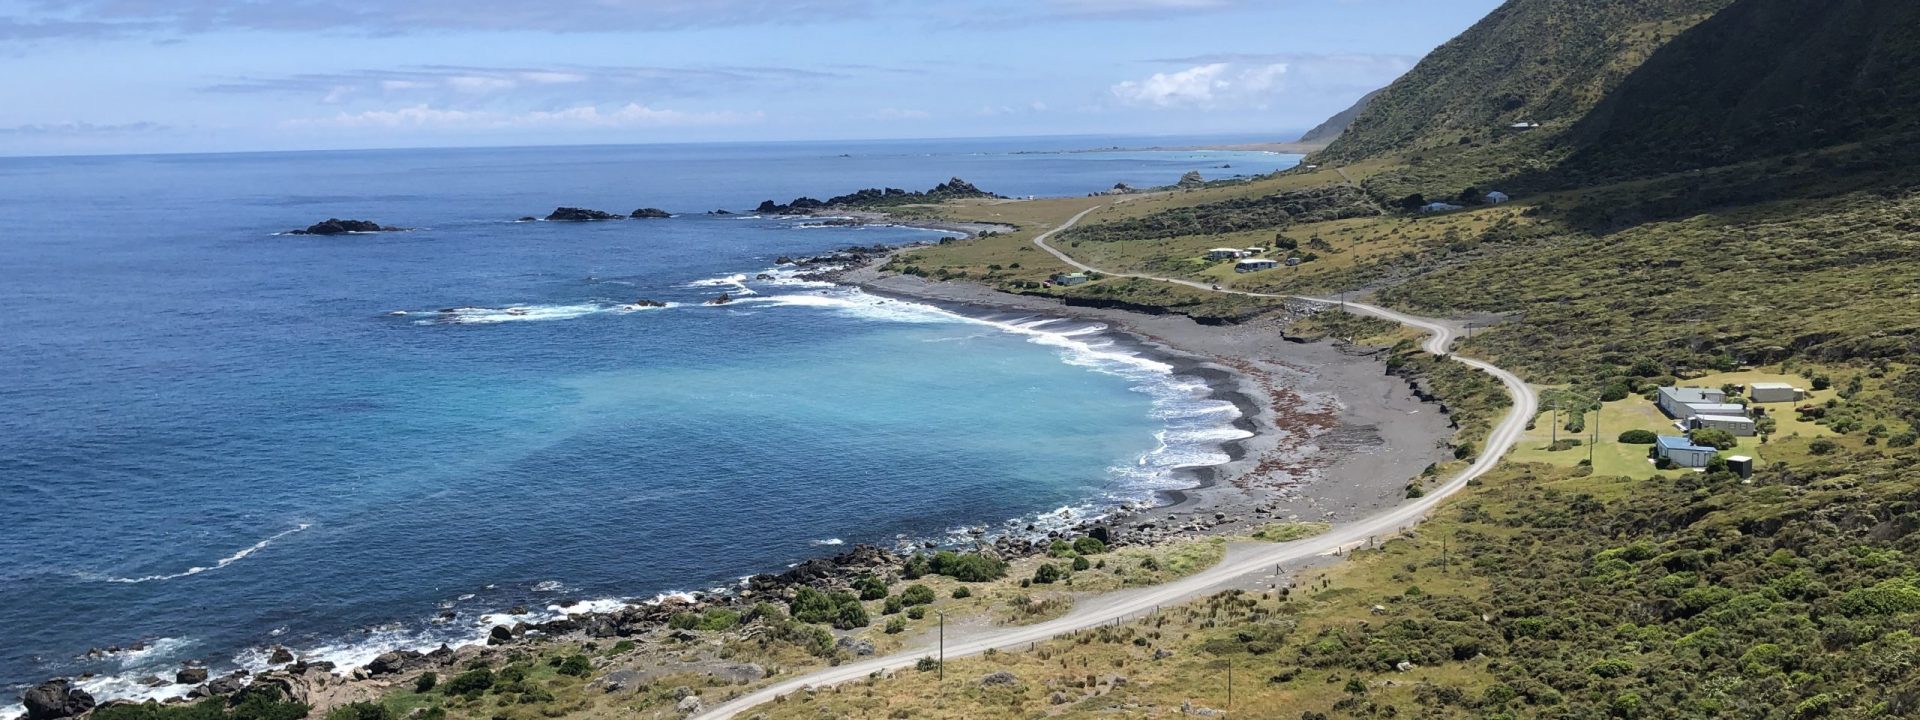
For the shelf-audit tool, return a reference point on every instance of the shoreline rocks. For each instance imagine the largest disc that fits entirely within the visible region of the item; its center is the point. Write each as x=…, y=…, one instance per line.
x=56, y=699
x=336, y=226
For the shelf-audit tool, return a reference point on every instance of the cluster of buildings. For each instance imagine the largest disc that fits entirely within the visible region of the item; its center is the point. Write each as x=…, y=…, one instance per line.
x=1248, y=259
x=1493, y=198
x=1695, y=408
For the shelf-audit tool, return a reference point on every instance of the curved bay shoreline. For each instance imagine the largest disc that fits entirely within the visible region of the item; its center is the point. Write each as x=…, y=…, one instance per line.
x=1332, y=437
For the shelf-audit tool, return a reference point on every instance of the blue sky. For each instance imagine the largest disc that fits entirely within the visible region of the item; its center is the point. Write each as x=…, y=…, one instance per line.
x=111, y=76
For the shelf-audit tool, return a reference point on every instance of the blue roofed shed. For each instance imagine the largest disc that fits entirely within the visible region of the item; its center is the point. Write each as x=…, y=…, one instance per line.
x=1681, y=451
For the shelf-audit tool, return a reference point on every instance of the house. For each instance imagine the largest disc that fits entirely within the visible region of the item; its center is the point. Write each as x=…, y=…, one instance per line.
x=1681, y=451
x=1437, y=207
x=1293, y=261
x=1070, y=278
x=1496, y=197
x=1674, y=400
x=1225, y=253
x=1740, y=425
x=1726, y=409
x=1771, y=392
x=1256, y=251
x=1255, y=265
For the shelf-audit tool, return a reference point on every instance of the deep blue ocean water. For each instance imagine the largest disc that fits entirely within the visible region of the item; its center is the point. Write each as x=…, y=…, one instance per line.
x=214, y=438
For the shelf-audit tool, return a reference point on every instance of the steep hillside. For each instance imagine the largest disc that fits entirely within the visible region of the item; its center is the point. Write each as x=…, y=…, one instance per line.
x=1762, y=78
x=1326, y=132
x=1531, y=61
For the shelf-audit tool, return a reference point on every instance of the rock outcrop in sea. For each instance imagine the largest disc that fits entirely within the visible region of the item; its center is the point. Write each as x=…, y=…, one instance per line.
x=650, y=213
x=574, y=214
x=336, y=226
x=953, y=189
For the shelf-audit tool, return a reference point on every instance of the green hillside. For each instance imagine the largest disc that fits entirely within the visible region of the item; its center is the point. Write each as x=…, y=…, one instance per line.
x=1763, y=78
x=1530, y=61
x=1326, y=132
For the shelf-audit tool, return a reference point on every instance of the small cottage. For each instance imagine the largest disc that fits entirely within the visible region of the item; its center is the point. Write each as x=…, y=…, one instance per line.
x=1070, y=278
x=1772, y=392
x=1225, y=253
x=1739, y=425
x=1255, y=265
x=1496, y=197
x=1681, y=451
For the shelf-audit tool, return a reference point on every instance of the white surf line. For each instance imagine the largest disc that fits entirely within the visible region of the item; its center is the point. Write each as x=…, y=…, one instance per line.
x=1241, y=561
x=223, y=562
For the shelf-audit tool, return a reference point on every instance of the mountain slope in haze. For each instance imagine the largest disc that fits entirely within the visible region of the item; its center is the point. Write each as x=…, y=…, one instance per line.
x=1760, y=79
x=1532, y=61
x=1326, y=132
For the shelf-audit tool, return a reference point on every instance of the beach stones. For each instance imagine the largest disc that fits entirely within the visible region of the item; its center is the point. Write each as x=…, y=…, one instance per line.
x=55, y=699
x=191, y=676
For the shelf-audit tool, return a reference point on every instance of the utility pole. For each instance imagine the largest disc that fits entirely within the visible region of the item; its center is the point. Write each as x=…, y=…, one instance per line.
x=1229, y=684
x=943, y=647
x=1443, y=554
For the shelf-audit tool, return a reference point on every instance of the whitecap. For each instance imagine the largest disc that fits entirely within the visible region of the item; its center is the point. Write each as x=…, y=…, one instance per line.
x=826, y=542
x=222, y=562
x=514, y=313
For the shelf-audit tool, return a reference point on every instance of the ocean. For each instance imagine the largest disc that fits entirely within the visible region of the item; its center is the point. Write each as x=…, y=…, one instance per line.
x=215, y=438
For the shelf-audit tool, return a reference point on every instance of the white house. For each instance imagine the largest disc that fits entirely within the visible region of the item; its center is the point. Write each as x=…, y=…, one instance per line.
x=1256, y=251
x=1070, y=278
x=1436, y=207
x=1255, y=265
x=1225, y=253
x=1772, y=392
x=1496, y=197
x=1740, y=425
x=1681, y=451
x=1675, y=400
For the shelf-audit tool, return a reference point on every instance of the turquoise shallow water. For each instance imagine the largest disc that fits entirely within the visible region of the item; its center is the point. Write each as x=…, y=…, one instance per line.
x=214, y=438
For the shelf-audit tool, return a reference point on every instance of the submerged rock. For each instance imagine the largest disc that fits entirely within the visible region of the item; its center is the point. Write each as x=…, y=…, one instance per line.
x=722, y=300
x=573, y=214
x=56, y=699
x=336, y=226
x=650, y=213
x=719, y=212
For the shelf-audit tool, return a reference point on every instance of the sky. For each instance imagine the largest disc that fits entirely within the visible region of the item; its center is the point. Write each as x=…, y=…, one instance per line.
x=137, y=76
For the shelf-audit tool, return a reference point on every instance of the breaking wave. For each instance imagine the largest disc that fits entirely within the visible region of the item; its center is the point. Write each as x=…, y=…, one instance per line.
x=222, y=562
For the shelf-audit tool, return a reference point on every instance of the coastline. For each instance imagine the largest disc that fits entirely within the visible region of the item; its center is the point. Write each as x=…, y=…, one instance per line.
x=1333, y=436
x=1330, y=437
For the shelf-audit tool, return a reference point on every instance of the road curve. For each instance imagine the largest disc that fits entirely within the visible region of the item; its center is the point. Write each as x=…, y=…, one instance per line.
x=1240, y=561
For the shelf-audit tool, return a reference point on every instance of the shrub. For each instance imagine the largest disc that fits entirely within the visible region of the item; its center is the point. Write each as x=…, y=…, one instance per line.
x=917, y=567
x=425, y=682
x=896, y=625
x=1822, y=446
x=870, y=587
x=812, y=606
x=1060, y=549
x=917, y=612
x=894, y=605
x=361, y=711
x=683, y=621
x=576, y=666
x=1089, y=545
x=917, y=595
x=1639, y=437
x=961, y=593
x=1715, y=438
x=1047, y=574
x=970, y=567
x=471, y=683
x=1080, y=563
x=851, y=616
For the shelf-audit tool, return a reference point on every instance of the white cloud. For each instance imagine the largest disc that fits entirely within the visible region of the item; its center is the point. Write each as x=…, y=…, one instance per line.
x=898, y=114
x=480, y=84
x=630, y=115
x=1249, y=81
x=1193, y=87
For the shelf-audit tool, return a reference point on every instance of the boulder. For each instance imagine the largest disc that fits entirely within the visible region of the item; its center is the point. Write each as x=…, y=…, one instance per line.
x=650, y=213
x=390, y=663
x=227, y=684
x=281, y=655
x=722, y=300
x=55, y=699
x=719, y=212
x=999, y=678
x=690, y=705
x=336, y=226
x=499, y=635
x=191, y=676
x=573, y=214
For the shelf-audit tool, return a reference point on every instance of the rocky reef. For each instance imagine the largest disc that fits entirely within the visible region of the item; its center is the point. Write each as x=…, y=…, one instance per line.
x=336, y=226
x=953, y=189
x=650, y=213
x=574, y=214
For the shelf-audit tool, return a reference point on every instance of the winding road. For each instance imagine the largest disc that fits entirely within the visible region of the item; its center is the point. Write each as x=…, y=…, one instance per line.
x=1240, y=561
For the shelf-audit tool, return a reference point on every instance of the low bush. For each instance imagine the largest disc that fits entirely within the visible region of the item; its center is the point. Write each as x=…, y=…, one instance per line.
x=1639, y=437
